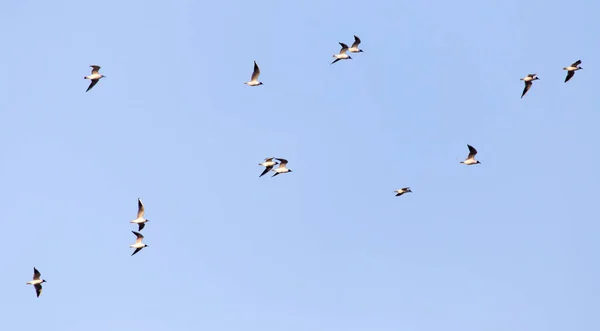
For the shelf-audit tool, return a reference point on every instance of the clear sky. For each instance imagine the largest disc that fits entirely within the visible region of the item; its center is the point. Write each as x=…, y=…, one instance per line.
x=508, y=245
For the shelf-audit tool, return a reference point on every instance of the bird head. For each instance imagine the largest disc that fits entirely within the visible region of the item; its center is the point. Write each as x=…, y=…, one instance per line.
x=350, y=57
x=409, y=190
x=145, y=245
x=478, y=162
x=43, y=280
x=289, y=170
x=360, y=50
x=536, y=78
x=260, y=83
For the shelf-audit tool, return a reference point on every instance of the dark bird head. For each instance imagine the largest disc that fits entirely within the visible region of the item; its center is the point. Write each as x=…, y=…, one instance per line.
x=260, y=83
x=580, y=68
x=350, y=57
x=536, y=78
x=290, y=170
x=409, y=190
x=43, y=280
x=360, y=50
x=147, y=220
x=478, y=162
x=145, y=245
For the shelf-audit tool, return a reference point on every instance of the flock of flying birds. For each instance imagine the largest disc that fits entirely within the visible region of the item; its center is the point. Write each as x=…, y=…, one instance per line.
x=269, y=162
x=531, y=77
x=139, y=220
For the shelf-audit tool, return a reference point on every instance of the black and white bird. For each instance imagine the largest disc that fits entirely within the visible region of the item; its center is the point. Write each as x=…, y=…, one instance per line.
x=528, y=82
x=402, y=191
x=254, y=79
x=268, y=164
x=471, y=157
x=37, y=282
x=140, y=220
x=342, y=54
x=138, y=243
x=354, y=48
x=94, y=77
x=571, y=70
x=282, y=169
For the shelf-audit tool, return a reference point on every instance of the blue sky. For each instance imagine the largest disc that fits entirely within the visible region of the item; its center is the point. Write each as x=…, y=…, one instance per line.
x=510, y=244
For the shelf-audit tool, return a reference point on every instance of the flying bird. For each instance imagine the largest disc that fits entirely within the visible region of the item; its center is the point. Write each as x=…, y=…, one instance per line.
x=94, y=77
x=354, y=48
x=140, y=220
x=471, y=158
x=138, y=243
x=268, y=164
x=282, y=169
x=254, y=79
x=571, y=70
x=342, y=54
x=528, y=82
x=402, y=191
x=37, y=282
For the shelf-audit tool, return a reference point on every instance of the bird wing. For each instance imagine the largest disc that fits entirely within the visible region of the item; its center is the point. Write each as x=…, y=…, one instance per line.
x=532, y=75
x=527, y=87
x=95, y=69
x=36, y=274
x=472, y=152
x=269, y=159
x=139, y=237
x=356, y=42
x=575, y=64
x=255, y=73
x=136, y=250
x=267, y=169
x=344, y=48
x=140, y=213
x=283, y=162
x=570, y=74
x=92, y=84
x=405, y=189
x=334, y=61
x=38, y=289
x=141, y=226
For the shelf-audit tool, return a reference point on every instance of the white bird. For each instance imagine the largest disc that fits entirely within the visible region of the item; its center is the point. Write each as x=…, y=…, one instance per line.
x=140, y=220
x=342, y=54
x=402, y=191
x=254, y=79
x=268, y=164
x=138, y=243
x=528, y=82
x=471, y=158
x=354, y=48
x=571, y=70
x=282, y=169
x=37, y=282
x=94, y=77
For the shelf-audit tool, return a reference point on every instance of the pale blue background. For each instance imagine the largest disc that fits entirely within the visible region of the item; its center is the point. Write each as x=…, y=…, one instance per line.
x=508, y=245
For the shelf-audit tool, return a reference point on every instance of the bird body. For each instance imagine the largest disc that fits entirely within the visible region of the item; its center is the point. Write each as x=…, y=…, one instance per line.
x=402, y=191
x=571, y=70
x=282, y=169
x=138, y=243
x=354, y=48
x=36, y=282
x=528, y=82
x=470, y=160
x=254, y=78
x=268, y=164
x=342, y=54
x=140, y=220
x=94, y=77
